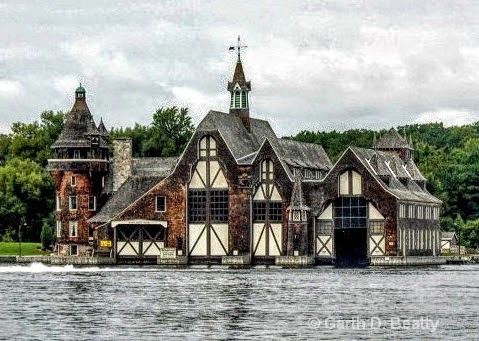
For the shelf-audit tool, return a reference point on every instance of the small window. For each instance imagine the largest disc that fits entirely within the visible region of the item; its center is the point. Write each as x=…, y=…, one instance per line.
x=73, y=250
x=59, y=229
x=237, y=99
x=73, y=181
x=102, y=182
x=325, y=227
x=73, y=228
x=58, y=203
x=76, y=154
x=160, y=204
x=376, y=227
x=73, y=202
x=92, y=203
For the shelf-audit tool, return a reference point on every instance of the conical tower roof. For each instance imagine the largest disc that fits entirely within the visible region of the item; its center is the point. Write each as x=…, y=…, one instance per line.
x=297, y=199
x=102, y=129
x=79, y=125
x=392, y=140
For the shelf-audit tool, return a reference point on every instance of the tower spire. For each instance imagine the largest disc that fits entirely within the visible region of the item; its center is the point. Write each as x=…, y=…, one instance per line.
x=239, y=89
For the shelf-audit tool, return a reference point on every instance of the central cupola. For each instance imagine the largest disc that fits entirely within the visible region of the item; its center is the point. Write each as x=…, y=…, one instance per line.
x=239, y=89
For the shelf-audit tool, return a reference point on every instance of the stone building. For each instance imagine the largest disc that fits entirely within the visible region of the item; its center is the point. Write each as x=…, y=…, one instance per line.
x=238, y=190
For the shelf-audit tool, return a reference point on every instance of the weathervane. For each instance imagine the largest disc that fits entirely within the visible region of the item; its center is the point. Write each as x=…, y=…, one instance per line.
x=238, y=48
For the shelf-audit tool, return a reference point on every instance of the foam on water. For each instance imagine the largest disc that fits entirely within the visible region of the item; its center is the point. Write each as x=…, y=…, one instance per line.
x=42, y=268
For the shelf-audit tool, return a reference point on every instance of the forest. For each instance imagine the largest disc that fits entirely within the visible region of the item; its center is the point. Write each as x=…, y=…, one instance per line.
x=447, y=156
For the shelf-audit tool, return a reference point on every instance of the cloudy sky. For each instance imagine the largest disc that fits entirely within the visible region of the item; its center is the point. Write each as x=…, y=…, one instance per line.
x=317, y=65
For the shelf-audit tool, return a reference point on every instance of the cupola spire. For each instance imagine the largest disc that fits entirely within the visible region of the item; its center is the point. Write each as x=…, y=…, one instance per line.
x=239, y=89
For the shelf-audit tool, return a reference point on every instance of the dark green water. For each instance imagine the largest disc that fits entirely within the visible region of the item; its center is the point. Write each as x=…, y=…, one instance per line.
x=127, y=303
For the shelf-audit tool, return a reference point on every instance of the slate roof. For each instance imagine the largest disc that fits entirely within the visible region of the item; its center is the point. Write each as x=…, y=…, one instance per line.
x=297, y=198
x=383, y=164
x=392, y=140
x=153, y=166
x=79, y=125
x=130, y=191
x=102, y=129
x=447, y=235
x=146, y=173
x=244, y=145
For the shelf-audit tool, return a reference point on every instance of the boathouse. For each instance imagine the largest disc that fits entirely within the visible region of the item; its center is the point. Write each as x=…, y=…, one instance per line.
x=238, y=194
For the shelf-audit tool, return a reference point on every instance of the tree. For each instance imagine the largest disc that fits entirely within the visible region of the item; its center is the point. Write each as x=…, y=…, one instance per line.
x=26, y=194
x=170, y=131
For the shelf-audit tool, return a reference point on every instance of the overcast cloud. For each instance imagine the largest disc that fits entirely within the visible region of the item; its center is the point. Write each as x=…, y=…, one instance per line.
x=313, y=64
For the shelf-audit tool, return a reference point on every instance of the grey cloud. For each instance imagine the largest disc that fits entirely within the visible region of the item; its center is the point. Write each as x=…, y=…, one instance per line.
x=321, y=65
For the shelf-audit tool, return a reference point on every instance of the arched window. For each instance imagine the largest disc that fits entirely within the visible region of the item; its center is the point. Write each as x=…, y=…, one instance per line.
x=350, y=183
x=207, y=146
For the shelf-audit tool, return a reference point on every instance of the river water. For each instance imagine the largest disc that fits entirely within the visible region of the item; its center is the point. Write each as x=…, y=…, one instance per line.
x=39, y=302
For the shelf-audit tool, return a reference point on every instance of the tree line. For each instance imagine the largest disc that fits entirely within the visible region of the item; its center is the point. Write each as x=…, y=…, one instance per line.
x=447, y=156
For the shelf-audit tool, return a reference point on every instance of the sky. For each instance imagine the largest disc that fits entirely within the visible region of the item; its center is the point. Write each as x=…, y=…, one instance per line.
x=315, y=65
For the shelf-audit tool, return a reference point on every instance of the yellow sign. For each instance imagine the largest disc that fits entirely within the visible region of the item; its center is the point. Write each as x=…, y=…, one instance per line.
x=105, y=243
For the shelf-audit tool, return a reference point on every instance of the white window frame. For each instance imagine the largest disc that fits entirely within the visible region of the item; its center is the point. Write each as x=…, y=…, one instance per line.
x=59, y=229
x=94, y=203
x=76, y=154
x=73, y=180
x=73, y=227
x=58, y=202
x=70, y=202
x=156, y=203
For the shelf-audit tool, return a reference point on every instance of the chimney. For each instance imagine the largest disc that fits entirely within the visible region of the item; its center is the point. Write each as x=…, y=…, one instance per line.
x=122, y=161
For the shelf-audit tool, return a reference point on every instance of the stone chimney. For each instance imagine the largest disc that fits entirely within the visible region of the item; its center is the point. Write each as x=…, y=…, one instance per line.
x=122, y=161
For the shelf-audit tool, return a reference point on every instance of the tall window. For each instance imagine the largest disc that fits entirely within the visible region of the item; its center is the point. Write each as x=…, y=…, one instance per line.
x=59, y=229
x=267, y=204
x=237, y=99
x=58, y=203
x=73, y=202
x=92, y=203
x=350, y=183
x=243, y=99
x=208, y=199
x=76, y=154
x=160, y=204
x=73, y=180
x=73, y=228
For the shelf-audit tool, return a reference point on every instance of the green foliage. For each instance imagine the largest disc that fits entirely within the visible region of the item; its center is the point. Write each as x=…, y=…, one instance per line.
x=28, y=249
x=47, y=236
x=167, y=135
x=26, y=195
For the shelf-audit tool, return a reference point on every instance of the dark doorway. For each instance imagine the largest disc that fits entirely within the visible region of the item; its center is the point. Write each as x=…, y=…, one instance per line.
x=351, y=247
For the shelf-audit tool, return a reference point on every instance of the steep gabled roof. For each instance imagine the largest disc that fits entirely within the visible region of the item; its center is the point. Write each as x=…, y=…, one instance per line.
x=130, y=191
x=392, y=140
x=244, y=144
x=146, y=173
x=379, y=163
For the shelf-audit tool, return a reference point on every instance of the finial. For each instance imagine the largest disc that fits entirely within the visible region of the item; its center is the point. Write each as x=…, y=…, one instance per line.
x=238, y=47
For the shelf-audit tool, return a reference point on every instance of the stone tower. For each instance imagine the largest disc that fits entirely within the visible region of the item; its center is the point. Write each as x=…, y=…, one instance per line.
x=79, y=170
x=239, y=89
